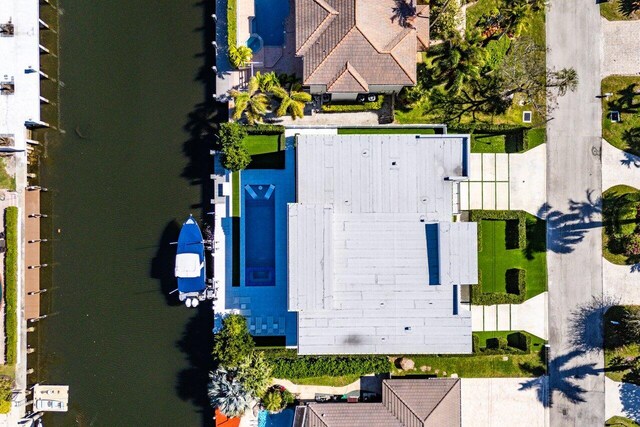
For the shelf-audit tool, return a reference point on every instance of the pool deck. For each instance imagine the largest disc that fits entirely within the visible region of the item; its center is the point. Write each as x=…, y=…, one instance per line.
x=265, y=307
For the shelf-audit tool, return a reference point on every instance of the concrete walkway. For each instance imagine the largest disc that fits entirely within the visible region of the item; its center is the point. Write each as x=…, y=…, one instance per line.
x=619, y=167
x=332, y=119
x=309, y=391
x=530, y=316
x=623, y=399
x=620, y=42
x=506, y=181
x=500, y=402
x=622, y=282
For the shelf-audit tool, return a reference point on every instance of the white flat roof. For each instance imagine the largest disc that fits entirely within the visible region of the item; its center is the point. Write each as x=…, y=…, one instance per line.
x=373, y=254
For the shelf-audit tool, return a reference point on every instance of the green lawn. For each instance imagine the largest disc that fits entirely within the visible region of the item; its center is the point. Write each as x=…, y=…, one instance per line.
x=619, y=207
x=620, y=349
x=261, y=144
x=11, y=284
x=620, y=422
x=326, y=380
x=385, y=130
x=494, y=259
x=479, y=366
x=7, y=182
x=614, y=10
x=626, y=99
x=235, y=193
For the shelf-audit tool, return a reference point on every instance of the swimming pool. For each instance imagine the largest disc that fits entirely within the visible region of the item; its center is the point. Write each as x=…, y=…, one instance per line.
x=260, y=235
x=269, y=20
x=282, y=419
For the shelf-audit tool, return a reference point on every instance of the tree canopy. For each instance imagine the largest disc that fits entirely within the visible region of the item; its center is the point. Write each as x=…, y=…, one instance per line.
x=233, y=344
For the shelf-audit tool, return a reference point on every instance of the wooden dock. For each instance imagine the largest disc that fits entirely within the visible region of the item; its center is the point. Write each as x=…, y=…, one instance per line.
x=32, y=254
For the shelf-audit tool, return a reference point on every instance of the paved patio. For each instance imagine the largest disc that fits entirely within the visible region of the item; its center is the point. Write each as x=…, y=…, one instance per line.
x=499, y=402
x=506, y=181
x=621, y=53
x=530, y=316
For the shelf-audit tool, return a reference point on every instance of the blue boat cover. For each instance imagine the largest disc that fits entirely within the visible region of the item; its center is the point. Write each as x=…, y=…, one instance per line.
x=190, y=267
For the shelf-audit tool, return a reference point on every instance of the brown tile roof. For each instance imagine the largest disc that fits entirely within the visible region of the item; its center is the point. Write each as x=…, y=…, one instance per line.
x=330, y=33
x=350, y=415
x=422, y=396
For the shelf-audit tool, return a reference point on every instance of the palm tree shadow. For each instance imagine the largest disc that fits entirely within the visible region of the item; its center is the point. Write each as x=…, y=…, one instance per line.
x=630, y=160
x=586, y=328
x=562, y=379
x=566, y=230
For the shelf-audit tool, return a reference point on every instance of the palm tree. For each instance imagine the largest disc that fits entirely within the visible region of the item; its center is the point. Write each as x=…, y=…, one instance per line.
x=460, y=61
x=267, y=81
x=252, y=104
x=240, y=56
x=517, y=14
x=291, y=102
x=227, y=394
x=565, y=79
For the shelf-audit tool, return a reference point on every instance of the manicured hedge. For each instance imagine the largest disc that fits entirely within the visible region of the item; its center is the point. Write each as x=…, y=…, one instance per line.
x=338, y=107
x=516, y=281
x=264, y=129
x=232, y=25
x=288, y=365
x=520, y=341
x=11, y=283
x=475, y=343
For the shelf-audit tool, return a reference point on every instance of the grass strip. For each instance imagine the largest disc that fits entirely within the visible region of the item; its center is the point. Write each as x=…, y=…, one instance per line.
x=11, y=283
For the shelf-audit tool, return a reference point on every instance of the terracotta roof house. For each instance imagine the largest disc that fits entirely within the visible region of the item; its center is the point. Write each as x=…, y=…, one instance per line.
x=405, y=403
x=351, y=47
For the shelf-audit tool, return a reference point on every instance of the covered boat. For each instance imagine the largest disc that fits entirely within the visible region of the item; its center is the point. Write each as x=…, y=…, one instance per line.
x=190, y=264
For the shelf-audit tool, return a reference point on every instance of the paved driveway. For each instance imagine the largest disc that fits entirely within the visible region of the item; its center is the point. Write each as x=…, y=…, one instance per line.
x=619, y=167
x=621, y=53
x=574, y=138
x=500, y=402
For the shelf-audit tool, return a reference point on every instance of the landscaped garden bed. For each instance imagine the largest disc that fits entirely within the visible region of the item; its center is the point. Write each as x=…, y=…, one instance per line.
x=511, y=257
x=492, y=74
x=621, y=218
x=625, y=99
x=622, y=343
x=620, y=10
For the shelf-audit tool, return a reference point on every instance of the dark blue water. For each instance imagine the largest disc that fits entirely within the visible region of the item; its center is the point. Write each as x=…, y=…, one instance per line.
x=269, y=20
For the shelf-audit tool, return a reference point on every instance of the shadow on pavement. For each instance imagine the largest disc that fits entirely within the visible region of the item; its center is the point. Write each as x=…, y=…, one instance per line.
x=586, y=324
x=630, y=398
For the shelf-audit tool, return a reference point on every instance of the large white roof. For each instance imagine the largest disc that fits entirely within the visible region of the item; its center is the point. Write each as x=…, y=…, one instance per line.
x=373, y=254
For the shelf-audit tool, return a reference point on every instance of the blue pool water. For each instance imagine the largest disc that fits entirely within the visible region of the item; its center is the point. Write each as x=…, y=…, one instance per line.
x=269, y=20
x=260, y=235
x=283, y=419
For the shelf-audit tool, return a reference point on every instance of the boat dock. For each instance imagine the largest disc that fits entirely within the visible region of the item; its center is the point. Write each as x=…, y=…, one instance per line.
x=32, y=254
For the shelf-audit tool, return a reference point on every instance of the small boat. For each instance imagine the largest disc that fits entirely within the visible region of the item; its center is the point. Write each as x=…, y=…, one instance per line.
x=190, y=264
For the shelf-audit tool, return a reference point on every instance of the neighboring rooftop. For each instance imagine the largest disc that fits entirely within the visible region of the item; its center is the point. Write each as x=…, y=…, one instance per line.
x=349, y=45
x=405, y=402
x=374, y=257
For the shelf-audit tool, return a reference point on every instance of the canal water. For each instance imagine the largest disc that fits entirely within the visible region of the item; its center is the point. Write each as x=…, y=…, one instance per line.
x=125, y=169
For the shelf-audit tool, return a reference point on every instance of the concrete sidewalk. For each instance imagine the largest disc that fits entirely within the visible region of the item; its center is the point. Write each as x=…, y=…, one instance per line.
x=530, y=316
x=619, y=167
x=622, y=399
x=501, y=402
x=622, y=282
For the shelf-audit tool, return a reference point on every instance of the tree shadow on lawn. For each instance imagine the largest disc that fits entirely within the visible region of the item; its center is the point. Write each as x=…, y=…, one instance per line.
x=629, y=100
x=586, y=324
x=631, y=137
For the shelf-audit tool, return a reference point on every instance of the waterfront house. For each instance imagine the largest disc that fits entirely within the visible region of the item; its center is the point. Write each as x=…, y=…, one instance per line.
x=357, y=47
x=378, y=258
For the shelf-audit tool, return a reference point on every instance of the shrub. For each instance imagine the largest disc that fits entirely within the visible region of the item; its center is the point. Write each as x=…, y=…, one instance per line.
x=264, y=129
x=254, y=372
x=6, y=388
x=446, y=17
x=11, y=283
x=475, y=343
x=338, y=107
x=496, y=51
x=227, y=393
x=498, y=343
x=293, y=367
x=234, y=153
x=515, y=280
x=632, y=245
x=233, y=344
x=232, y=25
x=512, y=238
x=519, y=216
x=273, y=400
x=520, y=341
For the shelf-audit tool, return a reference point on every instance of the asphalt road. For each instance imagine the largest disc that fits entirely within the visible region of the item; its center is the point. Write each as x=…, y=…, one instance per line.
x=574, y=186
